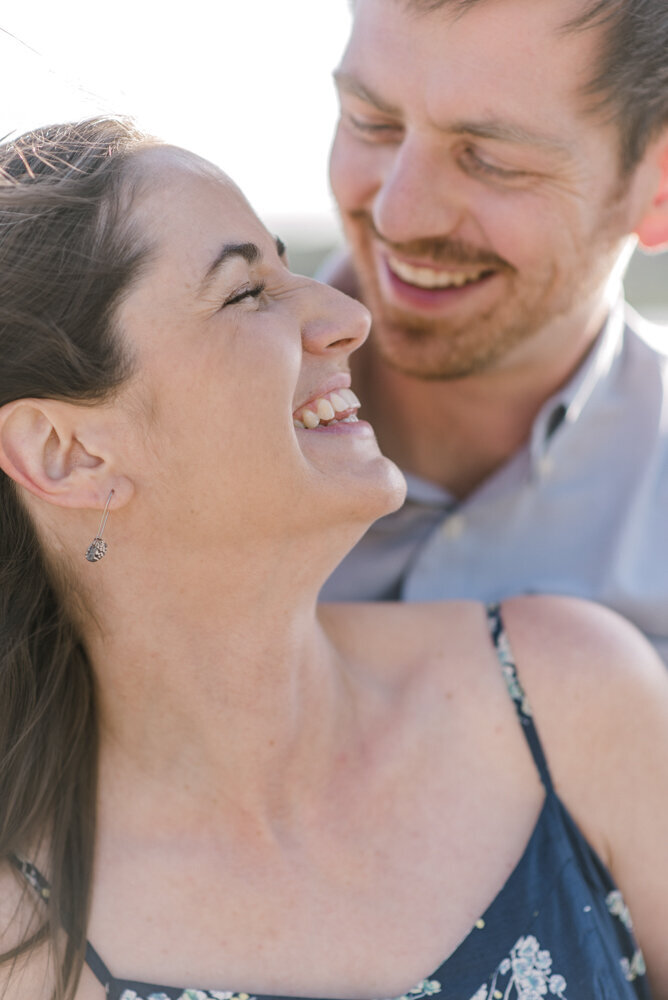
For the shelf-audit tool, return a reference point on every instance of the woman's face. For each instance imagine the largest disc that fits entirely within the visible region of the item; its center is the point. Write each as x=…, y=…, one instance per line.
x=231, y=351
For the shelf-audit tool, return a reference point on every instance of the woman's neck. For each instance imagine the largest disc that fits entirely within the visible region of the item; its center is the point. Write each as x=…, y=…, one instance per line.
x=227, y=693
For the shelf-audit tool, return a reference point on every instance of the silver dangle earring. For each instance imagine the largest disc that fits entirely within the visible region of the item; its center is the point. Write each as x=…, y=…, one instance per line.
x=98, y=546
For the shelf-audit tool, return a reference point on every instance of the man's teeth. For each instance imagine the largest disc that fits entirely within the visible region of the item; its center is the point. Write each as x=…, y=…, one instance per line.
x=427, y=277
x=335, y=407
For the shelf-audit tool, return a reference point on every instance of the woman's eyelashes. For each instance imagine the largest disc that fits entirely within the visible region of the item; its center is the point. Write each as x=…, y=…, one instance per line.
x=248, y=292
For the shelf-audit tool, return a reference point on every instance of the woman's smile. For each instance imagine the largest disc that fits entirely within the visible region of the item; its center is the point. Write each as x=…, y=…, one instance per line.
x=328, y=408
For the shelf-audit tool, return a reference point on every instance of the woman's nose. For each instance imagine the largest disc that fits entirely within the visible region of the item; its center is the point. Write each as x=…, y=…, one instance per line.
x=334, y=322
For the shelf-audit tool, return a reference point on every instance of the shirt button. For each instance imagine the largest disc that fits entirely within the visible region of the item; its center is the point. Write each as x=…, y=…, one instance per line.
x=546, y=466
x=453, y=527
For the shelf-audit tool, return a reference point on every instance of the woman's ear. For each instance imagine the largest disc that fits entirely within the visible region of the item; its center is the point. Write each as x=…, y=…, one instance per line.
x=652, y=231
x=42, y=449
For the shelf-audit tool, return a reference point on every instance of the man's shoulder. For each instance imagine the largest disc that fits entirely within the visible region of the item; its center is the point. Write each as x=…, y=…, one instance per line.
x=637, y=388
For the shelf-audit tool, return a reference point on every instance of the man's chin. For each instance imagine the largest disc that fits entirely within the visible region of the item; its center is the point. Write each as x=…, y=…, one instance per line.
x=423, y=352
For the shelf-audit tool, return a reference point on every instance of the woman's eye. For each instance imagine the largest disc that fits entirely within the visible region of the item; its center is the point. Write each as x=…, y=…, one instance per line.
x=252, y=292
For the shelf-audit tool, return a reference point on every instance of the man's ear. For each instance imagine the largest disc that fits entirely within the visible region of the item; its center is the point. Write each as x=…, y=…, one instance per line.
x=42, y=449
x=652, y=231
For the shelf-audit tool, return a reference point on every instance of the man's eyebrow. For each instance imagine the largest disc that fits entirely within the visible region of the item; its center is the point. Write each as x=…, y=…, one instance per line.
x=487, y=129
x=350, y=83
x=509, y=132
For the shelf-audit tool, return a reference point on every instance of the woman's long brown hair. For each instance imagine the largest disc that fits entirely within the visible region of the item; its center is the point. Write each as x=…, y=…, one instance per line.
x=67, y=255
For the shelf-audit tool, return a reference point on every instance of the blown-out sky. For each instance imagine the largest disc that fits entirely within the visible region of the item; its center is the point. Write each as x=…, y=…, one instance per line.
x=246, y=83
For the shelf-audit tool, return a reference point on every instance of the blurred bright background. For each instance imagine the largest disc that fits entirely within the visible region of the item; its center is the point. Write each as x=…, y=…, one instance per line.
x=245, y=83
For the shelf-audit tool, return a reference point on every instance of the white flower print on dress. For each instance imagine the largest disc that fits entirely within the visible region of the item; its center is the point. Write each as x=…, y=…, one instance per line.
x=212, y=995
x=425, y=988
x=190, y=995
x=616, y=905
x=632, y=967
x=529, y=972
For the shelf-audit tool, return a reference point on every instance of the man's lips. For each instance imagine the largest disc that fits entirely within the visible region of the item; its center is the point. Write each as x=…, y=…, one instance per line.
x=435, y=278
x=431, y=263
x=424, y=287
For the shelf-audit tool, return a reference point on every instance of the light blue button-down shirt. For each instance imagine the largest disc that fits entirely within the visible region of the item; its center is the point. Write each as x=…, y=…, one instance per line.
x=581, y=510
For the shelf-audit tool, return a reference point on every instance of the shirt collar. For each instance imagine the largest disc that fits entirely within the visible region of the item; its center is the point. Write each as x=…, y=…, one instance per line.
x=426, y=493
x=566, y=405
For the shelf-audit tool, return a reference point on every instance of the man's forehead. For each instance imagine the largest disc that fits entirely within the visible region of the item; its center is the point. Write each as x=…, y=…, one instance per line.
x=563, y=13
x=507, y=37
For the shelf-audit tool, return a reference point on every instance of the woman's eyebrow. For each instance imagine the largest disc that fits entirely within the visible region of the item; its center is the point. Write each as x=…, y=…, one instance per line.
x=250, y=252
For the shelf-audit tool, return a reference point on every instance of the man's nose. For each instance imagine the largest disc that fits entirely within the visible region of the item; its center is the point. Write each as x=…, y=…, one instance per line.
x=333, y=323
x=417, y=197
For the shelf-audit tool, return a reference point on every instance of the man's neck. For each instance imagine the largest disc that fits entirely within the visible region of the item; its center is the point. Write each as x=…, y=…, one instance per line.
x=456, y=433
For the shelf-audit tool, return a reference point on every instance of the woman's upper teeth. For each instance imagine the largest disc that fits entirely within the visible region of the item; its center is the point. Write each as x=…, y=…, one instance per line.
x=428, y=277
x=339, y=405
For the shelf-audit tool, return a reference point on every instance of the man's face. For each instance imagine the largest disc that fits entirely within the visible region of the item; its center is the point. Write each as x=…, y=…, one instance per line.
x=482, y=205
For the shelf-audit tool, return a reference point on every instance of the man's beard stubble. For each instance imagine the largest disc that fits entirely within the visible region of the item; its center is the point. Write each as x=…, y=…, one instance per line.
x=440, y=350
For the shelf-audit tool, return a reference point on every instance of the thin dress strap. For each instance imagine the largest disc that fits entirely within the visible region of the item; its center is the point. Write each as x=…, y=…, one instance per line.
x=35, y=879
x=516, y=692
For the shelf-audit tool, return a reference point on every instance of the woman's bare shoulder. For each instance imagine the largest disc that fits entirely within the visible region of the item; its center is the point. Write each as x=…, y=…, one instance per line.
x=591, y=651
x=599, y=693
x=589, y=673
x=21, y=916
x=565, y=641
x=597, y=686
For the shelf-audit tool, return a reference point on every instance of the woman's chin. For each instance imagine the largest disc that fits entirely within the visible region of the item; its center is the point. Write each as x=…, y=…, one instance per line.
x=396, y=493
x=382, y=492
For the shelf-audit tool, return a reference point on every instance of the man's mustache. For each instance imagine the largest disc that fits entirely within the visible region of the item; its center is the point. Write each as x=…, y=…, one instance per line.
x=440, y=250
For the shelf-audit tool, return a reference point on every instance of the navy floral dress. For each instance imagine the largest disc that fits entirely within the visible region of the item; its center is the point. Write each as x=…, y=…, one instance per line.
x=559, y=928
